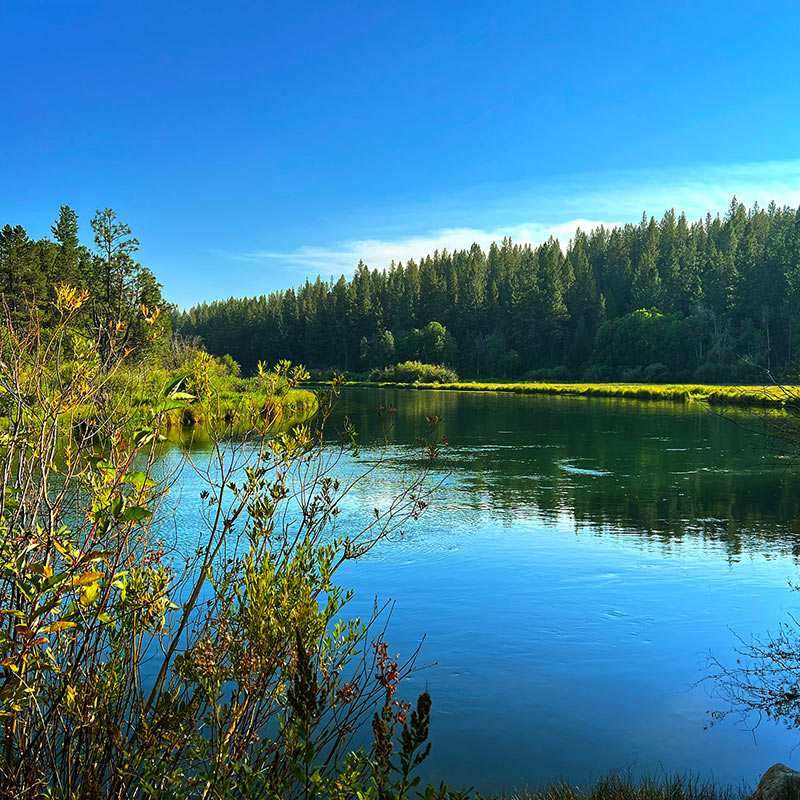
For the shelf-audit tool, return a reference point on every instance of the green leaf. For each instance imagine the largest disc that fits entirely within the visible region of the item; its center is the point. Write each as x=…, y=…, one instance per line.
x=169, y=405
x=86, y=578
x=142, y=437
x=135, y=514
x=60, y=625
x=172, y=384
x=138, y=479
x=116, y=507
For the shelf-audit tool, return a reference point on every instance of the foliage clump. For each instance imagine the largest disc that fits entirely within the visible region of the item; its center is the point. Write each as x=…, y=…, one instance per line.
x=415, y=372
x=624, y=787
x=133, y=666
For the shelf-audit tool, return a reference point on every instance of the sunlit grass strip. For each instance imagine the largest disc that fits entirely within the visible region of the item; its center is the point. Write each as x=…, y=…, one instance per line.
x=765, y=396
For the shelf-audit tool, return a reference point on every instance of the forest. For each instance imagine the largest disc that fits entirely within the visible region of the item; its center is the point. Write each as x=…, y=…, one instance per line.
x=716, y=300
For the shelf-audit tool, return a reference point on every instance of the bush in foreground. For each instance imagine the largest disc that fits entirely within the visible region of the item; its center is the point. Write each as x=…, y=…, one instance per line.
x=134, y=666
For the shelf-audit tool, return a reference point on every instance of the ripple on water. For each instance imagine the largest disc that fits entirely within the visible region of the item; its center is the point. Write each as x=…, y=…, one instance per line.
x=568, y=466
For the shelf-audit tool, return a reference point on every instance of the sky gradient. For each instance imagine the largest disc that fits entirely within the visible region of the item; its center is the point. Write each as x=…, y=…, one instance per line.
x=250, y=145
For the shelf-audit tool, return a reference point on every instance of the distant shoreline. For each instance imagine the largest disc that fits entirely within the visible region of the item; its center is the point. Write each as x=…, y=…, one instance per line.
x=763, y=396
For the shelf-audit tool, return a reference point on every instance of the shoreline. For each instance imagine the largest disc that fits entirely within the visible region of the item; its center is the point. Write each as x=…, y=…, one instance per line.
x=297, y=405
x=774, y=396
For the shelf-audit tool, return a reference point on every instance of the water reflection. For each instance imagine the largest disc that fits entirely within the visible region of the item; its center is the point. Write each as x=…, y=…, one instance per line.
x=660, y=470
x=580, y=560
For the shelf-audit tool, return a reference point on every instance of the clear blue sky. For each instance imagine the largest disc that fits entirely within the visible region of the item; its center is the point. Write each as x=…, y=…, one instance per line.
x=252, y=144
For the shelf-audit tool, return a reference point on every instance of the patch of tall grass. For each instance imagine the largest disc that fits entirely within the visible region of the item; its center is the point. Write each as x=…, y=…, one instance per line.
x=295, y=405
x=617, y=787
x=765, y=396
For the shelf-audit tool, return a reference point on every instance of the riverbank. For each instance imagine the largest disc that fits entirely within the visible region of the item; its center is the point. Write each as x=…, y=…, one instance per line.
x=295, y=405
x=240, y=408
x=763, y=396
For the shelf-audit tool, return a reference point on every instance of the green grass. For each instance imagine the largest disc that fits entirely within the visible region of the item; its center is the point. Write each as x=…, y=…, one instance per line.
x=764, y=396
x=296, y=405
x=615, y=787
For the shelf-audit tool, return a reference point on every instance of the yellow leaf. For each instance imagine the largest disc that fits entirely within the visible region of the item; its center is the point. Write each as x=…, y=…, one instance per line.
x=89, y=594
x=87, y=577
x=61, y=625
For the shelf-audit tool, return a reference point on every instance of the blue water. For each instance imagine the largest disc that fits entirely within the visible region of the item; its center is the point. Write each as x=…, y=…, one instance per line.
x=579, y=563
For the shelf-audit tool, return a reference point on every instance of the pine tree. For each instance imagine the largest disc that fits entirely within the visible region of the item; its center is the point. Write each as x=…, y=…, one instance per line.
x=22, y=281
x=66, y=267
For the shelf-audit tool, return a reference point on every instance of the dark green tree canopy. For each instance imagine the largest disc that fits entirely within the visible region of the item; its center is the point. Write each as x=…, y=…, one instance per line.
x=121, y=290
x=715, y=299
x=720, y=294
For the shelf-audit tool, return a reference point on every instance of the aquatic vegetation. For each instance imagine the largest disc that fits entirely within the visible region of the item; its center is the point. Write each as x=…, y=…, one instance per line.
x=296, y=405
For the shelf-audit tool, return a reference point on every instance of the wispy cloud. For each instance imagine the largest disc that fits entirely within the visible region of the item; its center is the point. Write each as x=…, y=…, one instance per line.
x=343, y=256
x=693, y=190
x=531, y=212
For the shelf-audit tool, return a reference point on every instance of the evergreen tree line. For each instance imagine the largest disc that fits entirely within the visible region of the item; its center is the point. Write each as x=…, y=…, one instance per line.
x=121, y=292
x=713, y=300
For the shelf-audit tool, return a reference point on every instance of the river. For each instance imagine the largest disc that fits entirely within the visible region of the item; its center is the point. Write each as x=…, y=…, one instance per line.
x=579, y=563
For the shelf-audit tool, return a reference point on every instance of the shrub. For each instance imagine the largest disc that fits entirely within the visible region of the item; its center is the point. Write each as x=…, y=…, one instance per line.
x=417, y=372
x=134, y=669
x=632, y=375
x=557, y=374
x=643, y=337
x=746, y=370
x=560, y=373
x=656, y=373
x=600, y=373
x=708, y=372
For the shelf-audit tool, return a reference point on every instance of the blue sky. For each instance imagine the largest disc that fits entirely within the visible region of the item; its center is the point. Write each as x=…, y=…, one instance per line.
x=250, y=145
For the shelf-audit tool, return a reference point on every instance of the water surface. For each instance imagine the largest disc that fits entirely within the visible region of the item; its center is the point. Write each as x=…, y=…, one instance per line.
x=581, y=559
